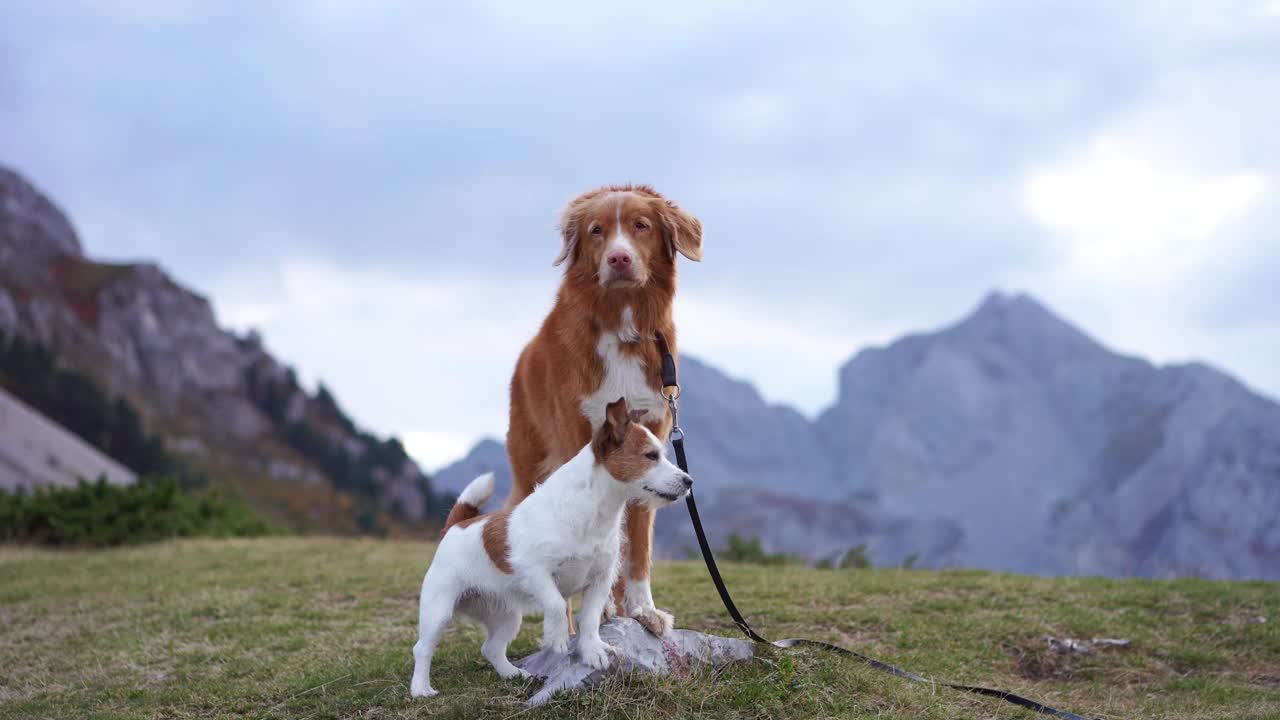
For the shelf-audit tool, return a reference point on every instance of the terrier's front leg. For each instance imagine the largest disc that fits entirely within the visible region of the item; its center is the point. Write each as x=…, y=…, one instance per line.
x=594, y=651
x=555, y=621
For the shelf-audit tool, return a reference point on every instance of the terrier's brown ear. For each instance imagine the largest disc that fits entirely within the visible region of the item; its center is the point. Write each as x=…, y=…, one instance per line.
x=636, y=415
x=617, y=418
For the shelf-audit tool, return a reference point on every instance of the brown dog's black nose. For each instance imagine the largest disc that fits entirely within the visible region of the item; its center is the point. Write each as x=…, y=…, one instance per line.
x=688, y=481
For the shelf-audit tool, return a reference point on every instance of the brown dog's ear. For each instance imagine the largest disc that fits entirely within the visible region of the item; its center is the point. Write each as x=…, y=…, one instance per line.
x=684, y=231
x=570, y=220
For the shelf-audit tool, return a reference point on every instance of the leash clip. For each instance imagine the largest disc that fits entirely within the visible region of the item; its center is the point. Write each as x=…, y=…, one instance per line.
x=676, y=433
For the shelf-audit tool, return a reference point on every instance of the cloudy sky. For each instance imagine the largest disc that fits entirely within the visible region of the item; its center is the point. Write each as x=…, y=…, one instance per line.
x=374, y=184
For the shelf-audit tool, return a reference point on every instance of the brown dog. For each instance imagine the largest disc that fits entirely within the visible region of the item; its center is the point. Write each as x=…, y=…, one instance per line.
x=620, y=245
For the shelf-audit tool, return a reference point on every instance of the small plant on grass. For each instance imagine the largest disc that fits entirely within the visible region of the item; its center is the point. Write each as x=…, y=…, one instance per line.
x=751, y=552
x=855, y=558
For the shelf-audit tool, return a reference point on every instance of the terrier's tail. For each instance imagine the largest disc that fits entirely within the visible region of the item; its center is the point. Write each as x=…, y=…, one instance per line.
x=470, y=501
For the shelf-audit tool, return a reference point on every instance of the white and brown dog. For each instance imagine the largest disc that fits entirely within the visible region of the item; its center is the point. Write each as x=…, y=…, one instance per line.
x=562, y=539
x=619, y=248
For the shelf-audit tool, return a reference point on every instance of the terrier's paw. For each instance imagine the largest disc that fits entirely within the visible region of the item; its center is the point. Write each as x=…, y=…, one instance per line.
x=514, y=673
x=658, y=622
x=421, y=690
x=597, y=654
x=558, y=644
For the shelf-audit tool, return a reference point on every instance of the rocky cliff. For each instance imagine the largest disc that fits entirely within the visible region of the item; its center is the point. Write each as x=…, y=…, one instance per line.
x=224, y=401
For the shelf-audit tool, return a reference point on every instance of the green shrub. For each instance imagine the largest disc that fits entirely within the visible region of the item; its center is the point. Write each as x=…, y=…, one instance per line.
x=99, y=514
x=856, y=558
x=749, y=551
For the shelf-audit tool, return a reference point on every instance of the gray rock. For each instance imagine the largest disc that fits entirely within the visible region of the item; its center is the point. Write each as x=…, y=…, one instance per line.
x=34, y=231
x=638, y=650
x=8, y=313
x=35, y=452
x=172, y=333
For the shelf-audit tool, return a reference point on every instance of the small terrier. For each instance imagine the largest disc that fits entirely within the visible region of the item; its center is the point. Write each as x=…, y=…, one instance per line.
x=562, y=539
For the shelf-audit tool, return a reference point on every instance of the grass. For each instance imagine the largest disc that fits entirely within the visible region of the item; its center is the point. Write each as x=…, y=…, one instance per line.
x=318, y=627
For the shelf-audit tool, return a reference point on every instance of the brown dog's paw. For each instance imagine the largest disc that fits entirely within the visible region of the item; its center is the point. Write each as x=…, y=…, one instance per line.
x=658, y=622
x=610, y=612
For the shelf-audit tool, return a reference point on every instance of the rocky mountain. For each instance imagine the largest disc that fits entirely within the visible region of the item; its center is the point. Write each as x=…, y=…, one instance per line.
x=488, y=456
x=1055, y=455
x=1010, y=440
x=224, y=402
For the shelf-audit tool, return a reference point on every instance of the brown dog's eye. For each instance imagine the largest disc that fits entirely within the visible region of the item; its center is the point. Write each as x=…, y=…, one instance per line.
x=652, y=455
x=597, y=230
x=642, y=225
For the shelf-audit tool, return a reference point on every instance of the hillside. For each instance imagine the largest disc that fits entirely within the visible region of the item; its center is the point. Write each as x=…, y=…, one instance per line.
x=28, y=440
x=313, y=627
x=224, y=406
x=1010, y=440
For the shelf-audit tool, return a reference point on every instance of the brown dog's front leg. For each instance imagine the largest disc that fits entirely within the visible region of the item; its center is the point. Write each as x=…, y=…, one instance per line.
x=637, y=597
x=639, y=541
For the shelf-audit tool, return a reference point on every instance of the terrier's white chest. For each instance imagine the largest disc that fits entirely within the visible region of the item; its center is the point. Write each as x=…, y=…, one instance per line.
x=573, y=573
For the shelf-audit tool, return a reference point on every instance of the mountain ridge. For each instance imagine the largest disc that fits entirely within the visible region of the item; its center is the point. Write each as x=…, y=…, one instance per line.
x=1001, y=441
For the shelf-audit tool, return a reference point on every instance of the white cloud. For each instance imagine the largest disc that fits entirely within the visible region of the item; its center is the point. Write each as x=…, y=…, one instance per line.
x=1149, y=219
x=434, y=449
x=424, y=358
x=790, y=351
x=1122, y=217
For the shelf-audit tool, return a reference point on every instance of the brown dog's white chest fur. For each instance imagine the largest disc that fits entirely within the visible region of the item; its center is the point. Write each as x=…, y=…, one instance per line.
x=625, y=374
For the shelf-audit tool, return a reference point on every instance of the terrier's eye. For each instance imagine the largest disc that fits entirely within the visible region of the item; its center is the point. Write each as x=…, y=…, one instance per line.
x=642, y=225
x=596, y=230
x=652, y=454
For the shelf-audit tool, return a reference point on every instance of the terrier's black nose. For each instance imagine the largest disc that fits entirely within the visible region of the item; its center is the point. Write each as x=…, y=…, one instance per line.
x=688, y=481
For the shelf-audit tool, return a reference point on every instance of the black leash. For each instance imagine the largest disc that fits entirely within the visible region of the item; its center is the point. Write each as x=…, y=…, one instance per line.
x=671, y=391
